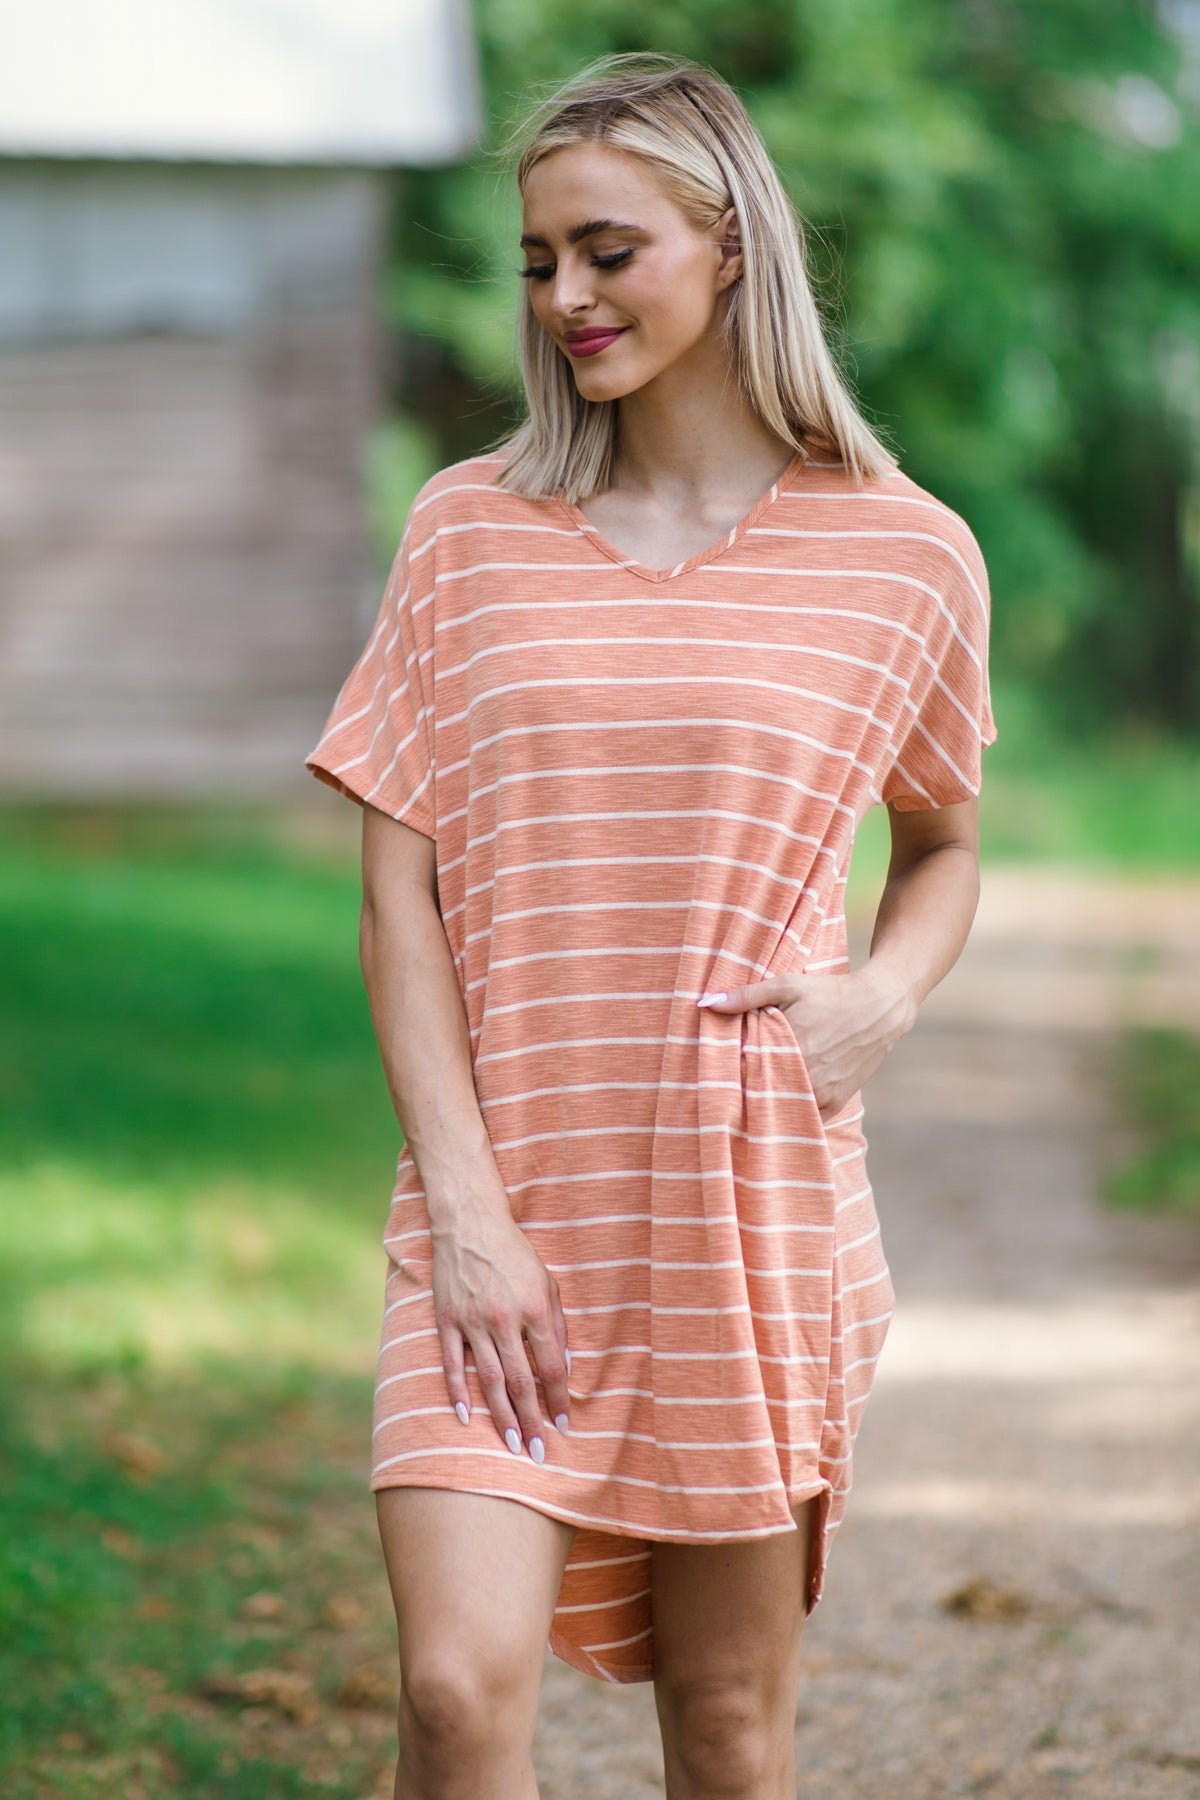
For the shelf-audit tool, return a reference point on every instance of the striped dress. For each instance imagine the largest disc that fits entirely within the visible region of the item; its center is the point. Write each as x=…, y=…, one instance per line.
x=643, y=785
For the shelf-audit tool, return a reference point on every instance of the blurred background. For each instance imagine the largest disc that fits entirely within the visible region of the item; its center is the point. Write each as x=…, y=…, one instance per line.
x=257, y=282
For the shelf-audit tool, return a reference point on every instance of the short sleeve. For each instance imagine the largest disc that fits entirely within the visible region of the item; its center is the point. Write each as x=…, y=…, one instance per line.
x=946, y=721
x=378, y=743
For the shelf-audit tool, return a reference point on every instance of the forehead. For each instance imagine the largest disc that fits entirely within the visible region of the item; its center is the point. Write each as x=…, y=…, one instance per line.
x=583, y=181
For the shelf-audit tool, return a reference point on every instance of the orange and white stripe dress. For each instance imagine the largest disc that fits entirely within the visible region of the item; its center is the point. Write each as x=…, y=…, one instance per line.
x=643, y=785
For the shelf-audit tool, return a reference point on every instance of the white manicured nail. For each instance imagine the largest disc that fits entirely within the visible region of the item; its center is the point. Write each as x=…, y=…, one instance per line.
x=712, y=999
x=537, y=1450
x=562, y=1424
x=462, y=1412
x=512, y=1439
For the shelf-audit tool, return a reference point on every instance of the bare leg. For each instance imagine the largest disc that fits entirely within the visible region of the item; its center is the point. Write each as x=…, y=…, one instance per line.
x=727, y=1626
x=474, y=1580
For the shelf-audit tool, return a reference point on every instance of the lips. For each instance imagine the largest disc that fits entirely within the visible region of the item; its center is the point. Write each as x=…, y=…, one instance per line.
x=586, y=343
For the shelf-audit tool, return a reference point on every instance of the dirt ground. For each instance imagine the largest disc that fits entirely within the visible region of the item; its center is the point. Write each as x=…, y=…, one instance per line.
x=1012, y=1603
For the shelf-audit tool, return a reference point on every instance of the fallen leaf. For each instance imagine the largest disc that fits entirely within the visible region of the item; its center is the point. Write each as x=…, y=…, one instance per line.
x=121, y=1543
x=263, y=1605
x=140, y=1459
x=285, y=1689
x=982, y=1598
x=369, y=1686
x=344, y=1611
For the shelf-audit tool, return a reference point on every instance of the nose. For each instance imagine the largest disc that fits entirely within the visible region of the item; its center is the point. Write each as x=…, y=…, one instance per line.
x=572, y=290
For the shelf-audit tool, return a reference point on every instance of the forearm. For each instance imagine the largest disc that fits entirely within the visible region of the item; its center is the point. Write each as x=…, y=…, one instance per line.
x=922, y=922
x=421, y=1028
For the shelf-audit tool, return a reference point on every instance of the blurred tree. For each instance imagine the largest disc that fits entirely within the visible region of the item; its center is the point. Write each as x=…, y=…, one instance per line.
x=1005, y=239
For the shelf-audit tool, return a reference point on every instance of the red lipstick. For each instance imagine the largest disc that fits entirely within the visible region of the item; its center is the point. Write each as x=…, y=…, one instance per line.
x=587, y=343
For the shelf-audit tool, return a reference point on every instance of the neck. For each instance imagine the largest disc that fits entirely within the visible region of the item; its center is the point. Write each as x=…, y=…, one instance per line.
x=692, y=433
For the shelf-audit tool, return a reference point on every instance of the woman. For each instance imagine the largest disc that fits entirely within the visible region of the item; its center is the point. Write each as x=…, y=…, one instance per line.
x=637, y=674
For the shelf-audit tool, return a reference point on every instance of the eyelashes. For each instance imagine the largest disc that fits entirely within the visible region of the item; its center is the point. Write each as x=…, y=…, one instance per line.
x=543, y=271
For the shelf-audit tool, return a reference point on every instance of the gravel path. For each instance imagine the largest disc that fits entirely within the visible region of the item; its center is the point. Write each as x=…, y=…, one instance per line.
x=1012, y=1602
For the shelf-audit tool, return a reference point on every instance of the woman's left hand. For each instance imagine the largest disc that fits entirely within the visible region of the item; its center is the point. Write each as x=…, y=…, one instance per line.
x=844, y=1024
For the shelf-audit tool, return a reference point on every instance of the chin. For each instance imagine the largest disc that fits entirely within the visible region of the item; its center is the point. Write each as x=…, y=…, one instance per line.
x=599, y=391
x=607, y=384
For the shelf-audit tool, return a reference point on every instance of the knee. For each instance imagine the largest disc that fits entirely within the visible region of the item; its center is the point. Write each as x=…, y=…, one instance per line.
x=453, y=1701
x=725, y=1736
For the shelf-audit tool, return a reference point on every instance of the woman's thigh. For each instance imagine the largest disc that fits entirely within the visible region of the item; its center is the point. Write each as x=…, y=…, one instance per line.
x=728, y=1620
x=474, y=1580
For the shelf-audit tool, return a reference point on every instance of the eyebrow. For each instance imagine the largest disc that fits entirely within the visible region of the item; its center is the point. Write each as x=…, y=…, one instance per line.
x=589, y=228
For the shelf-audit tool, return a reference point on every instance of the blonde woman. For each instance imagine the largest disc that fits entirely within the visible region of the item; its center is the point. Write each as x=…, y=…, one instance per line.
x=638, y=673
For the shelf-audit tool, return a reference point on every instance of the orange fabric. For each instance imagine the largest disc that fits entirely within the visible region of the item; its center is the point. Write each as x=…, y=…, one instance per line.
x=644, y=785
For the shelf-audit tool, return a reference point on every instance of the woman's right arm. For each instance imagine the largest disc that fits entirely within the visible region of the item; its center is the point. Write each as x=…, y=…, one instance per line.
x=490, y=1288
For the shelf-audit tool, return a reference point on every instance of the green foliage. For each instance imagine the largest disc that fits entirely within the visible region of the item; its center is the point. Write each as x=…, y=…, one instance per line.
x=1156, y=1076
x=1004, y=237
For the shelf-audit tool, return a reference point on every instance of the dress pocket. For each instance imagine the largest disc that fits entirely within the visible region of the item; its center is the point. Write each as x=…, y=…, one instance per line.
x=775, y=1072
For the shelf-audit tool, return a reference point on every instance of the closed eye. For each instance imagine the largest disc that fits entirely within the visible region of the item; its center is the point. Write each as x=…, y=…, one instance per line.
x=543, y=271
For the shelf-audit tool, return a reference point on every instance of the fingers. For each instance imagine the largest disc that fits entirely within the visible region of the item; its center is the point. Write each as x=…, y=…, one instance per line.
x=454, y=1364
x=548, y=1341
x=510, y=1390
x=779, y=992
x=493, y=1294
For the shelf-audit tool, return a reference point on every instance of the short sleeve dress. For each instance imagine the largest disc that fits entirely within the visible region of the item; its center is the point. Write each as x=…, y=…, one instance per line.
x=643, y=785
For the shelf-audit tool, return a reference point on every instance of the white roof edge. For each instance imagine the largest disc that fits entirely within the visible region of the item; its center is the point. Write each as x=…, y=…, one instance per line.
x=363, y=83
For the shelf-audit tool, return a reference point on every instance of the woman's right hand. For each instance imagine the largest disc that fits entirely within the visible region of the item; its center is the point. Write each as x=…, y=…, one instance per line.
x=492, y=1291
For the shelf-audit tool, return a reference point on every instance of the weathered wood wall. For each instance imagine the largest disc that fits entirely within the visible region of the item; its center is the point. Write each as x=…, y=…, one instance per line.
x=184, y=568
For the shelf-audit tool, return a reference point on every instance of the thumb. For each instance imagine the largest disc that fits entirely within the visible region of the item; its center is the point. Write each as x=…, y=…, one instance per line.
x=745, y=999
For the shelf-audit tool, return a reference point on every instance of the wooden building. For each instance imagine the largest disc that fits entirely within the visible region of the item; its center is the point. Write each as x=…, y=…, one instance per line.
x=192, y=200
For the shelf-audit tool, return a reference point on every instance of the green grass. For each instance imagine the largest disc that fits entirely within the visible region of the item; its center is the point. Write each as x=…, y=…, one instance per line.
x=1156, y=1077
x=196, y=1153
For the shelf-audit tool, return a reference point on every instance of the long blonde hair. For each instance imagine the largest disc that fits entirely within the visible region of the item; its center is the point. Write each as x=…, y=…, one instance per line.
x=691, y=128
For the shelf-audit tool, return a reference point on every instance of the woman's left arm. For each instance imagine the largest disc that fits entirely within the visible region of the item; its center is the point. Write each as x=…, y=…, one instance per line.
x=846, y=1024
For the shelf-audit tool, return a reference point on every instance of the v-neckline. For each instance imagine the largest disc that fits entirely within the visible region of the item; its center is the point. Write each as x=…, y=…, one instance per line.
x=722, y=544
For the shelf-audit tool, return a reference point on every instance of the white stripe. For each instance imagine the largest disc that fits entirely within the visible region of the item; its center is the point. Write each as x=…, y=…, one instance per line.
x=641, y=994
x=649, y=1130
x=851, y=1198
x=601, y=1087
x=863, y=1324
x=520, y=646
x=611, y=1600
x=706, y=683
x=659, y=1223
x=506, y=870
x=858, y=1242
x=524, y=821
x=694, y=604
x=861, y=575
x=611, y=906
x=673, y=951
x=693, y=1175
x=609, y=1562
x=861, y=532
x=617, y=1643
x=606, y=1475
x=655, y=724
x=894, y=576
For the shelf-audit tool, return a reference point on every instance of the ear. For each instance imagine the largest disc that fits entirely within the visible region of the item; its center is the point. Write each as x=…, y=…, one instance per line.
x=729, y=242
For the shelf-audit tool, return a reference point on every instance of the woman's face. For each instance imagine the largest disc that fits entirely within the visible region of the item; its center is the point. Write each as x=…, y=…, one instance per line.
x=611, y=256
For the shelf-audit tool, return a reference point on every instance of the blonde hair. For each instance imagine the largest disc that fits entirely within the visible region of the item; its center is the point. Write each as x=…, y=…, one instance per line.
x=693, y=130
